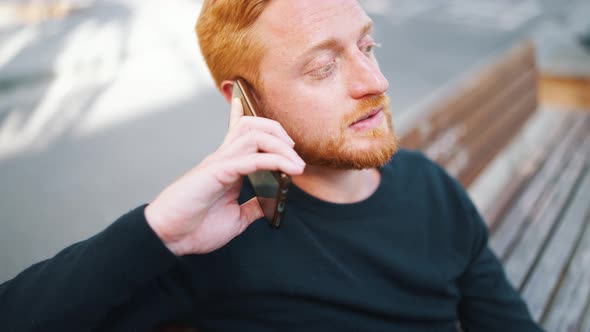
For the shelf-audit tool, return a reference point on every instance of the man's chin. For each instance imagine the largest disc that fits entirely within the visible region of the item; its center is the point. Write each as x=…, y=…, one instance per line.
x=357, y=158
x=353, y=148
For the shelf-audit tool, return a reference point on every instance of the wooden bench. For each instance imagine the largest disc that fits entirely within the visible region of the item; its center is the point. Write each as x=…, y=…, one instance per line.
x=539, y=220
x=541, y=228
x=467, y=129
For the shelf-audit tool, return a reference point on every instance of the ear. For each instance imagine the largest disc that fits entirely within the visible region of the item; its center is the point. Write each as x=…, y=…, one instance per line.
x=227, y=89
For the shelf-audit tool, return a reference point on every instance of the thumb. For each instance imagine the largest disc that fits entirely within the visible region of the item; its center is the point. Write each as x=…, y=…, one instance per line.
x=250, y=212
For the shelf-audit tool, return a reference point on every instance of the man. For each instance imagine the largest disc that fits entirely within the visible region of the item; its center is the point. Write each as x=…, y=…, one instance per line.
x=372, y=239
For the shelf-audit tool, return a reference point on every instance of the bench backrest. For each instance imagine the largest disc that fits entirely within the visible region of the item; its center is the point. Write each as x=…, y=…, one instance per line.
x=466, y=130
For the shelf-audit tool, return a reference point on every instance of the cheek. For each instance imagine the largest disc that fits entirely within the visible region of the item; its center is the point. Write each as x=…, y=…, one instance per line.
x=305, y=112
x=314, y=118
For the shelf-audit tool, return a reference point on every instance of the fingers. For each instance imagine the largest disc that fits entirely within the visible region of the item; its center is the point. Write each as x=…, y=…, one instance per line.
x=253, y=144
x=246, y=124
x=250, y=212
x=236, y=112
x=259, y=141
x=232, y=170
x=266, y=162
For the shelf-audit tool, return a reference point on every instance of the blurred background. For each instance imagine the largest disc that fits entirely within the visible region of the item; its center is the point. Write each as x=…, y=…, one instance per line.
x=105, y=102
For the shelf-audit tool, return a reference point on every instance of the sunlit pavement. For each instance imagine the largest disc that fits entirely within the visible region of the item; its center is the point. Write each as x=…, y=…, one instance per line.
x=100, y=109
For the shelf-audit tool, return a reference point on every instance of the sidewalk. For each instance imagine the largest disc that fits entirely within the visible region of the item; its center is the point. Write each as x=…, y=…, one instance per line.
x=98, y=67
x=96, y=114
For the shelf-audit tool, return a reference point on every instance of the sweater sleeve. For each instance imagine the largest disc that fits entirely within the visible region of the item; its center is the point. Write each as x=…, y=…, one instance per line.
x=79, y=287
x=489, y=302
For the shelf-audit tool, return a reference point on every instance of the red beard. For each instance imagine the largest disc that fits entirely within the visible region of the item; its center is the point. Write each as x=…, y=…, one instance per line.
x=339, y=151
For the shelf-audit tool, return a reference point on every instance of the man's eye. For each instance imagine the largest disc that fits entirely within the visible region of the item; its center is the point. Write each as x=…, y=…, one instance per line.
x=368, y=49
x=324, y=72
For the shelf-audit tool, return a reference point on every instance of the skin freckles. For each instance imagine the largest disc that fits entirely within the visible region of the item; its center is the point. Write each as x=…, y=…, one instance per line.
x=317, y=112
x=315, y=95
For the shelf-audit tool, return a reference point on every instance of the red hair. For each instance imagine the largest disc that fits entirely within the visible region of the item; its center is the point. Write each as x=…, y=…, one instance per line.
x=224, y=30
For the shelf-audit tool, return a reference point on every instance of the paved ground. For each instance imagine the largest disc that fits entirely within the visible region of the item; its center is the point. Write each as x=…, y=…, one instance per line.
x=101, y=109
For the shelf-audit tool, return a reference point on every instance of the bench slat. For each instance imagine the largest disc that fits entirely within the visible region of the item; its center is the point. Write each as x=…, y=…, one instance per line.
x=523, y=259
x=545, y=278
x=521, y=175
x=571, y=303
x=495, y=137
x=468, y=98
x=510, y=228
x=464, y=132
x=489, y=81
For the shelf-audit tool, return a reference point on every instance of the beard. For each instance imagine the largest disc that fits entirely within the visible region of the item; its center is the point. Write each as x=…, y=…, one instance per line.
x=340, y=150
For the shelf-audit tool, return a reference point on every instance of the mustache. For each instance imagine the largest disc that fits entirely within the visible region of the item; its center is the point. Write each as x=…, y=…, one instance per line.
x=365, y=106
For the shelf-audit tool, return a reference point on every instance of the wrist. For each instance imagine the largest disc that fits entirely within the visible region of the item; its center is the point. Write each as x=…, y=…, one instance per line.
x=155, y=221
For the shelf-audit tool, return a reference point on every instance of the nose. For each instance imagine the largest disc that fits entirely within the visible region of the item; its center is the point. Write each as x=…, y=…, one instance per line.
x=365, y=77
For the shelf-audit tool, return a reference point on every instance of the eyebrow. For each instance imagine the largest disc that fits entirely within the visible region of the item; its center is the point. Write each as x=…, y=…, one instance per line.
x=333, y=43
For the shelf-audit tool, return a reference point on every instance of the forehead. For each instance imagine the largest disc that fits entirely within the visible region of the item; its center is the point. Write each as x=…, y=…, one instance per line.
x=289, y=23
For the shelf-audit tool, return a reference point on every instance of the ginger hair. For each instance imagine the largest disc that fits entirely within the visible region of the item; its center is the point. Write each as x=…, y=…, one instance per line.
x=226, y=39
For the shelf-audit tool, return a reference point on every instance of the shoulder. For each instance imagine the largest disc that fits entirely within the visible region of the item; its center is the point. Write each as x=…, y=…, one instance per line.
x=414, y=162
x=413, y=169
x=425, y=183
x=437, y=200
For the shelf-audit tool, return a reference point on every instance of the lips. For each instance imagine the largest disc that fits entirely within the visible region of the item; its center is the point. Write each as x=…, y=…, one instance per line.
x=368, y=115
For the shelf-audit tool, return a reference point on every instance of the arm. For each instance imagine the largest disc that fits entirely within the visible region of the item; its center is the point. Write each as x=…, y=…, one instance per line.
x=489, y=302
x=108, y=277
x=77, y=288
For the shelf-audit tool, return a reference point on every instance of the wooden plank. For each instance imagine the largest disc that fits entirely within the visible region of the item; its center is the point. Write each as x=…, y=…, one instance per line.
x=565, y=91
x=544, y=280
x=471, y=173
x=525, y=171
x=484, y=83
x=510, y=229
x=466, y=165
x=523, y=259
x=533, y=140
x=498, y=103
x=490, y=109
x=570, y=304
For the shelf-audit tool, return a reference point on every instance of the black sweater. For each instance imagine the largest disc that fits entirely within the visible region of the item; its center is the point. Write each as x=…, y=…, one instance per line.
x=411, y=257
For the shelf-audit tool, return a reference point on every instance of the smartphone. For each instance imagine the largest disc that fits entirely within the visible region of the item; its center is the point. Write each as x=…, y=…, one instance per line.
x=271, y=187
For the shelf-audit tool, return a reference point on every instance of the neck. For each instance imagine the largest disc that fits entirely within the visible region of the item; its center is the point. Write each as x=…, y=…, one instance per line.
x=338, y=186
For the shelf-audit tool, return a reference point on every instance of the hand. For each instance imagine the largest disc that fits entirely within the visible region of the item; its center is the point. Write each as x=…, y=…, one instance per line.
x=199, y=212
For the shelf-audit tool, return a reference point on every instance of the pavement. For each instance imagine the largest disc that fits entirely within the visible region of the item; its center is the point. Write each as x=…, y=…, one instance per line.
x=102, y=108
